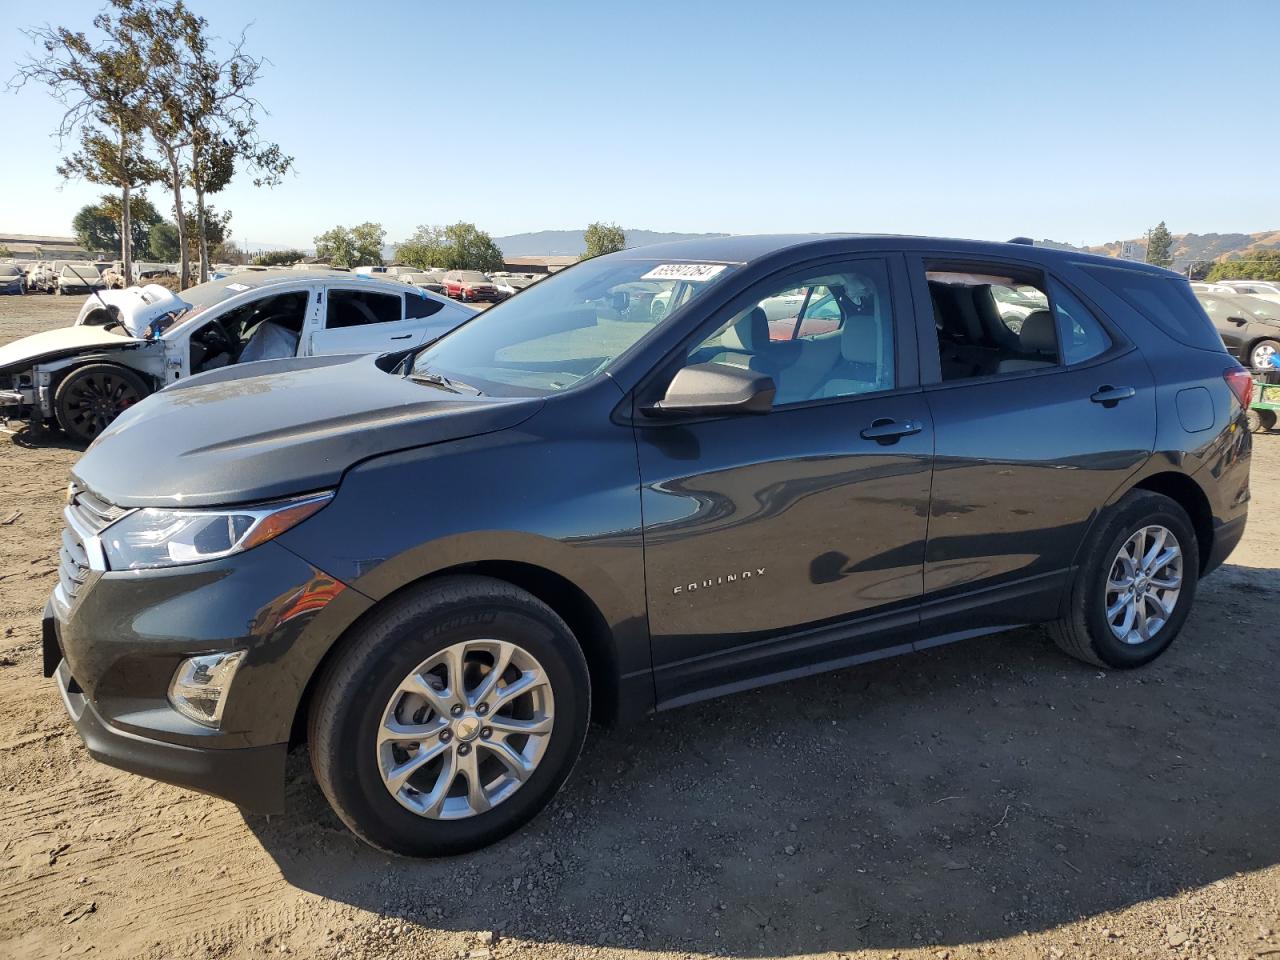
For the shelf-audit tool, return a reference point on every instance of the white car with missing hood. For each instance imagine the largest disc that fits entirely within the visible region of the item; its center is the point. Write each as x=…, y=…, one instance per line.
x=126, y=344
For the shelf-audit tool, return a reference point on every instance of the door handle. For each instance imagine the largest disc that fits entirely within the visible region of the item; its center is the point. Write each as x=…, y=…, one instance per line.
x=405, y=337
x=885, y=431
x=1109, y=396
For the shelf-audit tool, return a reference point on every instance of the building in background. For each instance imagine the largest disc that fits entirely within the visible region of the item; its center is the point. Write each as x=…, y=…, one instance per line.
x=537, y=264
x=31, y=246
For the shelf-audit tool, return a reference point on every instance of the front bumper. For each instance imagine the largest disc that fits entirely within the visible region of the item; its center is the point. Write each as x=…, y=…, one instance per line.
x=114, y=646
x=251, y=777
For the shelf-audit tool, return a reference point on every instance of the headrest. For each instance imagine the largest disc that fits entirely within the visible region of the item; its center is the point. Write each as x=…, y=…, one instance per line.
x=858, y=340
x=1037, y=334
x=751, y=333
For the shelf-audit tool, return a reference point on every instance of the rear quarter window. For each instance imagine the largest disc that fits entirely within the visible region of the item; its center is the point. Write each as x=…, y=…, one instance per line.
x=1166, y=301
x=416, y=307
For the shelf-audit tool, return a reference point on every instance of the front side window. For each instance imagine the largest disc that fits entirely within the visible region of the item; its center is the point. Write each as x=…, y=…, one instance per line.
x=566, y=328
x=991, y=321
x=828, y=335
x=355, y=308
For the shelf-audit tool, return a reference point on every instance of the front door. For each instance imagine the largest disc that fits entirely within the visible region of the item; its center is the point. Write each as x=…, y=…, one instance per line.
x=1041, y=412
x=776, y=544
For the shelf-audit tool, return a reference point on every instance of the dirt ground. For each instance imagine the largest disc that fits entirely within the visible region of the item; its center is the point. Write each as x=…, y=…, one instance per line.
x=991, y=799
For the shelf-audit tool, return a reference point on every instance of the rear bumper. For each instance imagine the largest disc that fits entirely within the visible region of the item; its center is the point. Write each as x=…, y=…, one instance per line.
x=1226, y=536
x=251, y=777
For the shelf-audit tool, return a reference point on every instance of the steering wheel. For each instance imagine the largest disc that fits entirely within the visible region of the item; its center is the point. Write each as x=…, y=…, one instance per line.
x=215, y=337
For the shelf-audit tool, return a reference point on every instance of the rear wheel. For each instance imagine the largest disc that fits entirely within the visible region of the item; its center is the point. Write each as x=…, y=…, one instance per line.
x=1253, y=419
x=90, y=397
x=1268, y=418
x=452, y=719
x=1135, y=588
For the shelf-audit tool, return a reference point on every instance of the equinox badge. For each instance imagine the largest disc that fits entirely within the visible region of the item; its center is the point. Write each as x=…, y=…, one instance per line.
x=718, y=581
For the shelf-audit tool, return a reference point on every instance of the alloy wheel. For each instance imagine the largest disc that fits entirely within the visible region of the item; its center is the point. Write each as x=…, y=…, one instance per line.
x=1143, y=584
x=1261, y=356
x=94, y=401
x=465, y=729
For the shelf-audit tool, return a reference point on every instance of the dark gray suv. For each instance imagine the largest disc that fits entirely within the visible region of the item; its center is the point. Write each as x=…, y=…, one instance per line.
x=658, y=476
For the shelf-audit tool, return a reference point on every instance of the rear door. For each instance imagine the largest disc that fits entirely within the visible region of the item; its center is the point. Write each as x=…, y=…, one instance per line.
x=1041, y=410
x=356, y=320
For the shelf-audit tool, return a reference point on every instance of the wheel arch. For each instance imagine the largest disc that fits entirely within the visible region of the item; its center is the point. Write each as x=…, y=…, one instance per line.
x=1184, y=491
x=570, y=602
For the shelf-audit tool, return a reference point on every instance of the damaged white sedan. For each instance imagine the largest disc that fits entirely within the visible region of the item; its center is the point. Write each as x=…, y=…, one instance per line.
x=128, y=343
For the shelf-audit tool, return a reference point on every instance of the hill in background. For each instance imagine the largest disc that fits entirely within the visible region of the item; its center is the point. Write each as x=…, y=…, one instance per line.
x=1202, y=247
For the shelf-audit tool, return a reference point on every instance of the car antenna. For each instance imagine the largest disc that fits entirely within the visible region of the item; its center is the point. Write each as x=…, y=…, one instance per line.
x=92, y=289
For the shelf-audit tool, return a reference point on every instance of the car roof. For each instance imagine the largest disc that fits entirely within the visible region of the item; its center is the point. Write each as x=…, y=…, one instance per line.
x=256, y=279
x=752, y=248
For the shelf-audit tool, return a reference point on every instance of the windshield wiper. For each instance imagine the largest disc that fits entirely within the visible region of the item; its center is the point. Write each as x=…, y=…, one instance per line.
x=440, y=380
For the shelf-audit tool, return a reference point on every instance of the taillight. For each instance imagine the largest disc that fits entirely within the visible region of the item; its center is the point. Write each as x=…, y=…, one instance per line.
x=1241, y=383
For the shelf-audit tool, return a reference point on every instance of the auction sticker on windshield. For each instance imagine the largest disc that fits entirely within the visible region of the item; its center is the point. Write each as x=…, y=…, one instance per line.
x=692, y=272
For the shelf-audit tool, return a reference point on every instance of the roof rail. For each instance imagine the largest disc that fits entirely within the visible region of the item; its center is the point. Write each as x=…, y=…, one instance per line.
x=1026, y=241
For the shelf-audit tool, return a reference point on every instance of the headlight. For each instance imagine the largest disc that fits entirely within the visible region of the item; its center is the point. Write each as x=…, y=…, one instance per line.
x=166, y=538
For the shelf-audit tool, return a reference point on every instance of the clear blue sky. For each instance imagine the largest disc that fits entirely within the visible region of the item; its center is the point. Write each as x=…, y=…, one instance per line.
x=1079, y=121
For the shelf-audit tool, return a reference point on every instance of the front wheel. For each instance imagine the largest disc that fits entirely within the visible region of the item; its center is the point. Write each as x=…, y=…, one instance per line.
x=90, y=397
x=1135, y=588
x=452, y=718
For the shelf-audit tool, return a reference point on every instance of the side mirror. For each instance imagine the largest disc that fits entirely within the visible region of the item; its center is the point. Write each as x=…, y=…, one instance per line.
x=715, y=388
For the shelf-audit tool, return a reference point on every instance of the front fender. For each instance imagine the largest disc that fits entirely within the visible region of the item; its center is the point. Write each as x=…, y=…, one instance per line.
x=568, y=506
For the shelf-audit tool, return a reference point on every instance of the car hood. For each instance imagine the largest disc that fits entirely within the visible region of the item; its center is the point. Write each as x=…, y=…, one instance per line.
x=276, y=428
x=137, y=306
x=66, y=342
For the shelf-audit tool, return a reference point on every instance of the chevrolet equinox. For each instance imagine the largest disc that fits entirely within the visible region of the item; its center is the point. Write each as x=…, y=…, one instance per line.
x=658, y=476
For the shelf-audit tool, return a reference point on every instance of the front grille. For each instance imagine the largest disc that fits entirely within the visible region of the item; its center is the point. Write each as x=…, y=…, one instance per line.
x=87, y=515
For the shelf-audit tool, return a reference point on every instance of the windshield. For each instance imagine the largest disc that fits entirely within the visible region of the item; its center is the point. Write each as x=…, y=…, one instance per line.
x=566, y=328
x=471, y=276
x=9, y=271
x=205, y=295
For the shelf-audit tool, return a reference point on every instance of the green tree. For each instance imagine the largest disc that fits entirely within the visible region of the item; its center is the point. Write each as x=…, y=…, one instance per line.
x=279, y=258
x=1159, y=244
x=459, y=246
x=603, y=238
x=99, y=83
x=98, y=226
x=361, y=246
x=165, y=243
x=228, y=251
x=1263, y=265
x=215, y=230
x=5, y=251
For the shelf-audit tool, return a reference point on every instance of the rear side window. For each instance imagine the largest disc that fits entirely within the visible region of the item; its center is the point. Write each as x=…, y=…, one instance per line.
x=415, y=308
x=1165, y=301
x=355, y=308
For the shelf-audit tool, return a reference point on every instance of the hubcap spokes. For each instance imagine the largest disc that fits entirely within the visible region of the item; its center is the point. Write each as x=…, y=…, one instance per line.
x=465, y=729
x=1143, y=584
x=95, y=402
